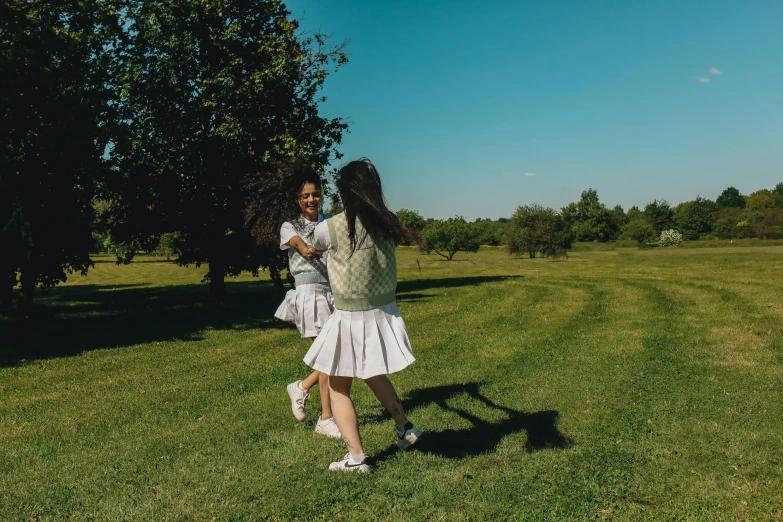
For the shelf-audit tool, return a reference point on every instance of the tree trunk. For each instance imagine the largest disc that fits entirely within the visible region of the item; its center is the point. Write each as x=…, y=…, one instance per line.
x=7, y=289
x=28, y=288
x=217, y=279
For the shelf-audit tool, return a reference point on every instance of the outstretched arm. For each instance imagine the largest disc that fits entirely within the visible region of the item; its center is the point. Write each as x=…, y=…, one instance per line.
x=303, y=248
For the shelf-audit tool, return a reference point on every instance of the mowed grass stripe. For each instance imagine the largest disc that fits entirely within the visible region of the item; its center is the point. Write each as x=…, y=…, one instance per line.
x=685, y=399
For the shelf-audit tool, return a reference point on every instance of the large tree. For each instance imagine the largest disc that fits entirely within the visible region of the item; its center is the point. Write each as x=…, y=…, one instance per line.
x=55, y=88
x=694, y=218
x=534, y=228
x=214, y=90
x=590, y=220
x=659, y=215
x=447, y=237
x=730, y=198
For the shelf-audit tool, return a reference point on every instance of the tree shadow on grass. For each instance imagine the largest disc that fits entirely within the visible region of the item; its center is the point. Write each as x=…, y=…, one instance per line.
x=74, y=319
x=410, y=290
x=484, y=436
x=69, y=320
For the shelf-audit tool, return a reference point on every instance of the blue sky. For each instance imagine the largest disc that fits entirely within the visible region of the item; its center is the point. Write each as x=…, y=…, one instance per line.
x=473, y=108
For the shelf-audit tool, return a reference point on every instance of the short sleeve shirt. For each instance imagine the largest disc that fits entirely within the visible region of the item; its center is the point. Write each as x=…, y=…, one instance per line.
x=321, y=238
x=288, y=232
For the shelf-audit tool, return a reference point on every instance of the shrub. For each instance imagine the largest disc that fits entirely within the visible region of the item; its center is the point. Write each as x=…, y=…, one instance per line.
x=670, y=238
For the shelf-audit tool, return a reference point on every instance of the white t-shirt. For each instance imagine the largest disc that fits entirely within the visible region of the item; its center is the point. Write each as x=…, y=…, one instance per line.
x=287, y=232
x=321, y=238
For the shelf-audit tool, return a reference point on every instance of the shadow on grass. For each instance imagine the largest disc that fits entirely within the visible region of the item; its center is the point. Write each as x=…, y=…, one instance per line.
x=484, y=436
x=74, y=319
x=410, y=290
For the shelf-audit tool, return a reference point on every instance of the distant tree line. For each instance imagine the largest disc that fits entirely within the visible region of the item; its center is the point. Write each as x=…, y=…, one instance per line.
x=534, y=229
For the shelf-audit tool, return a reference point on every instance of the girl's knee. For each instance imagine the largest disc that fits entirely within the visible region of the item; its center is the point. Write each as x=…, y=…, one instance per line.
x=340, y=384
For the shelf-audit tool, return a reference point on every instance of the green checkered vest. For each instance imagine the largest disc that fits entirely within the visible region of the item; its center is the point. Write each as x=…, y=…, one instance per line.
x=368, y=278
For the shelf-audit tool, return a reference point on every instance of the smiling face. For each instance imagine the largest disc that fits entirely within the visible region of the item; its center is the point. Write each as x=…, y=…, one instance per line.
x=310, y=201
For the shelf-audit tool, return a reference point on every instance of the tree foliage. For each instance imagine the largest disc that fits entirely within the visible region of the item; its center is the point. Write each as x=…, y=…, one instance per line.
x=659, y=215
x=730, y=198
x=534, y=228
x=763, y=216
x=639, y=230
x=590, y=220
x=490, y=233
x=695, y=218
x=412, y=220
x=447, y=237
x=55, y=89
x=213, y=90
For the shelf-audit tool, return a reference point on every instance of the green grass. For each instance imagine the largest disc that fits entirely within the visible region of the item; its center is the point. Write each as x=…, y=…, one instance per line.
x=595, y=246
x=627, y=384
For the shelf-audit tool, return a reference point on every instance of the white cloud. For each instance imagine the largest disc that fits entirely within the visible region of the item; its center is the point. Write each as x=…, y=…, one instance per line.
x=716, y=71
x=526, y=174
x=704, y=80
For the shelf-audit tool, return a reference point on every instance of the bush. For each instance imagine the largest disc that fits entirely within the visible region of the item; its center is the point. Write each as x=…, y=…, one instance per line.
x=639, y=230
x=670, y=238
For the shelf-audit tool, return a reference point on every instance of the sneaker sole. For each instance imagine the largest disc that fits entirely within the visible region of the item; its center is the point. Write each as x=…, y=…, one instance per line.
x=362, y=468
x=330, y=435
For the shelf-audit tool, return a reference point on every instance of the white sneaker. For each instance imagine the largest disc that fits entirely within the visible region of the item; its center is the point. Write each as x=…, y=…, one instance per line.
x=299, y=399
x=328, y=427
x=407, y=436
x=345, y=465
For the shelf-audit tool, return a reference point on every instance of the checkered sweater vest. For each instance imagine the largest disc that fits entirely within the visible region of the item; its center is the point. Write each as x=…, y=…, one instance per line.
x=306, y=271
x=368, y=278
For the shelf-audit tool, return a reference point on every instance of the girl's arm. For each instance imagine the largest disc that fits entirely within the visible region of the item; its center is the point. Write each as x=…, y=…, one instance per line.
x=304, y=249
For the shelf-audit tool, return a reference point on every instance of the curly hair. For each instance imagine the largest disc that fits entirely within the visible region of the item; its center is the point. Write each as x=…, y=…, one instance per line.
x=272, y=197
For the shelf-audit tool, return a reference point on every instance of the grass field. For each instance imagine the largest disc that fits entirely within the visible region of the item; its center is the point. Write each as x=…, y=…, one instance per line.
x=621, y=384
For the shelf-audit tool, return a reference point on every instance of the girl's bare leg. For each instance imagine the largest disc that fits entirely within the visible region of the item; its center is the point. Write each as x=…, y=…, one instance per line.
x=326, y=405
x=311, y=380
x=322, y=380
x=384, y=390
x=345, y=413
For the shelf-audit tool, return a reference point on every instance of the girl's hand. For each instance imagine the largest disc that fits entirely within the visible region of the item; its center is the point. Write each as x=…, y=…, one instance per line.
x=312, y=253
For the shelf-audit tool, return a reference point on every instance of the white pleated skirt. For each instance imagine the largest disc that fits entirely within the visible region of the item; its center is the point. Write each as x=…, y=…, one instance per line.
x=308, y=307
x=362, y=344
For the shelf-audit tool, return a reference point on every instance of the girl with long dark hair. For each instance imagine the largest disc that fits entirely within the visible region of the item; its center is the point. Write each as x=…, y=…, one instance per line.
x=365, y=337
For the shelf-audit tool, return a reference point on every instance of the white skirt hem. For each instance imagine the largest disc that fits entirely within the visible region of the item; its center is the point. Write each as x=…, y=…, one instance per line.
x=308, y=306
x=362, y=344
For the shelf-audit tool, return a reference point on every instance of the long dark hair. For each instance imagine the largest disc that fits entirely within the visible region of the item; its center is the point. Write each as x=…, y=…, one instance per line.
x=360, y=190
x=273, y=195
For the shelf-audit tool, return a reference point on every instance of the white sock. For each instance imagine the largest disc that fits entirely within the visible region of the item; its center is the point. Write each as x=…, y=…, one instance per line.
x=355, y=459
